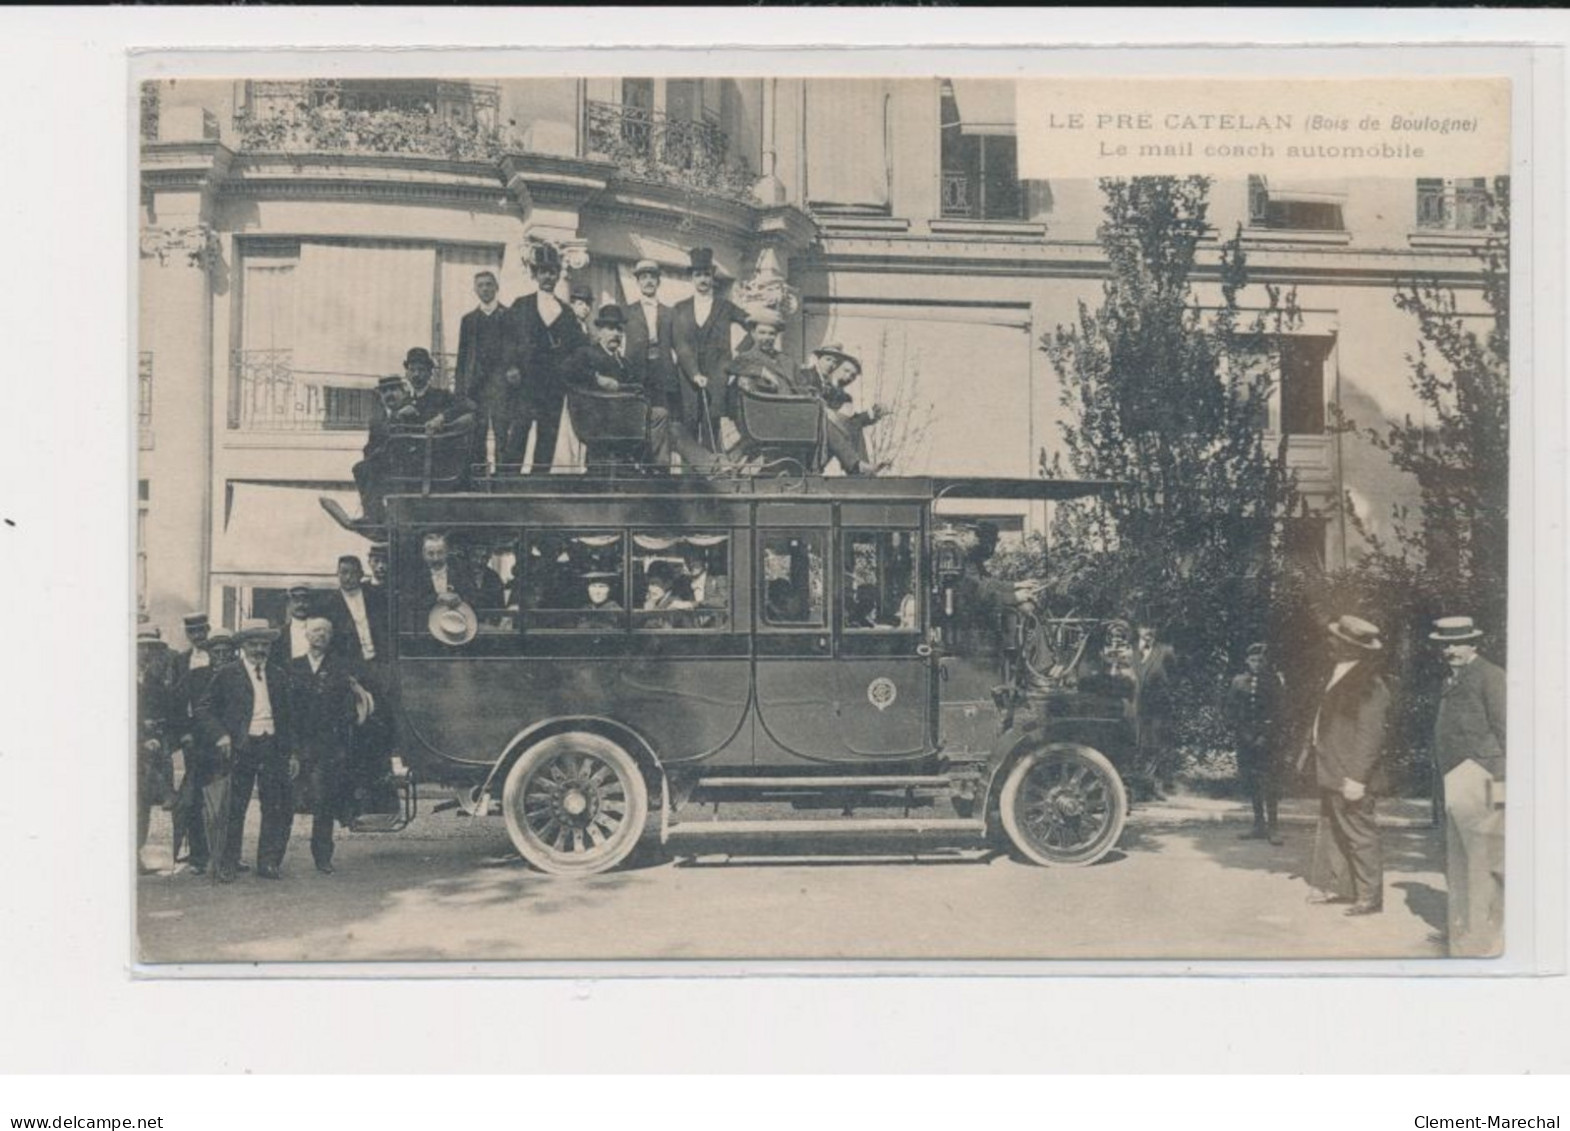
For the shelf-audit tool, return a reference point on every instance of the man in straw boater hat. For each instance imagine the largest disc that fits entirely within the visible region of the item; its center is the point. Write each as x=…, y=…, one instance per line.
x=1346, y=742
x=248, y=715
x=703, y=327
x=1469, y=747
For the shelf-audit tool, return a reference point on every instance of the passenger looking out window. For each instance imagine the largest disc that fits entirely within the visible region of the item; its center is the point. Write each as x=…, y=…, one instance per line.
x=570, y=580
x=682, y=576
x=880, y=580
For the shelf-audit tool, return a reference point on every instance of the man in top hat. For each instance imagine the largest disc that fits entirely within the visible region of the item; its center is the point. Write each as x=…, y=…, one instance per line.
x=651, y=357
x=324, y=688
x=702, y=326
x=1346, y=742
x=545, y=334
x=1253, y=709
x=603, y=365
x=247, y=714
x=1469, y=747
x=292, y=643
x=580, y=297
x=487, y=374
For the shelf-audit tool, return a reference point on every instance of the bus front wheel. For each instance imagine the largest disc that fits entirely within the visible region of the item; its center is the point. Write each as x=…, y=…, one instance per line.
x=575, y=804
x=1063, y=805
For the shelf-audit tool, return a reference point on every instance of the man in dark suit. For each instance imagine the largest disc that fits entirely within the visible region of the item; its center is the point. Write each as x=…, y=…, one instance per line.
x=429, y=406
x=291, y=642
x=247, y=714
x=651, y=358
x=581, y=298
x=443, y=579
x=1253, y=710
x=156, y=714
x=1155, y=670
x=196, y=627
x=545, y=333
x=1469, y=746
x=373, y=474
x=1346, y=742
x=190, y=824
x=324, y=690
x=604, y=366
x=487, y=373
x=701, y=326
x=358, y=615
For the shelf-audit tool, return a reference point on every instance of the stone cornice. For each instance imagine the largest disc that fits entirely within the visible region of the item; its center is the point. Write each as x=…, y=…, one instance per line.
x=188, y=165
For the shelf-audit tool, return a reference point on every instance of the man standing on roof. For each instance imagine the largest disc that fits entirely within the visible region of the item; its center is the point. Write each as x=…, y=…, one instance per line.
x=702, y=326
x=482, y=374
x=545, y=334
x=651, y=358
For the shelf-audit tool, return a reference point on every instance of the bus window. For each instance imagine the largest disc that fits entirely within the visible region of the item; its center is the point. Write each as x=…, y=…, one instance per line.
x=488, y=560
x=791, y=578
x=572, y=581
x=880, y=580
x=681, y=581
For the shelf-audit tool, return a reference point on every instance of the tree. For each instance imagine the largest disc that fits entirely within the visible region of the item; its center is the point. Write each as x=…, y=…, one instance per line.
x=1458, y=550
x=898, y=442
x=1170, y=400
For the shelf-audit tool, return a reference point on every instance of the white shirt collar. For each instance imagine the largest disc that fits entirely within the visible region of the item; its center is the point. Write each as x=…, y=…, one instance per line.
x=491, y=307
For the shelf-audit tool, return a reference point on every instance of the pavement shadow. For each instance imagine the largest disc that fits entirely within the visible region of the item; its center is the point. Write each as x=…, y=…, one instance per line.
x=1427, y=902
x=1406, y=850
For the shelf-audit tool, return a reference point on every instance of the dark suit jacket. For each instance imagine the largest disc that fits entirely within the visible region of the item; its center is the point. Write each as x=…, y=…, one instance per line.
x=1153, y=675
x=1471, y=721
x=704, y=349
x=658, y=377
x=1352, y=717
x=282, y=650
x=432, y=403
x=542, y=350
x=1253, y=708
x=766, y=372
x=484, y=353
x=457, y=577
x=324, y=706
x=592, y=361
x=227, y=702
x=346, y=638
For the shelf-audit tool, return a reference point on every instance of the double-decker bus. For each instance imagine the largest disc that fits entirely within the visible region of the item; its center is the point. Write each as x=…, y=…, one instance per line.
x=689, y=657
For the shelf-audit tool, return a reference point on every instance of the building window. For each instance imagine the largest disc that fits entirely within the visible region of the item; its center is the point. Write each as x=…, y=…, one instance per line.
x=1299, y=206
x=1462, y=204
x=1304, y=360
x=321, y=321
x=143, y=501
x=979, y=152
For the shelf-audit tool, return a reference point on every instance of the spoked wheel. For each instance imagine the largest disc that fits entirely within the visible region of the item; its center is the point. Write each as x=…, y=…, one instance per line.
x=1063, y=805
x=575, y=804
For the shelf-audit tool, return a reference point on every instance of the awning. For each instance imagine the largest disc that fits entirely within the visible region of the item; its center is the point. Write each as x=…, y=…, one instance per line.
x=283, y=531
x=1284, y=191
x=986, y=106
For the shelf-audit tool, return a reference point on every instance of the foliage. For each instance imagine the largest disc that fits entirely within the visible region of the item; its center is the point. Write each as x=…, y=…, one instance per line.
x=326, y=127
x=660, y=150
x=898, y=441
x=1457, y=553
x=1170, y=401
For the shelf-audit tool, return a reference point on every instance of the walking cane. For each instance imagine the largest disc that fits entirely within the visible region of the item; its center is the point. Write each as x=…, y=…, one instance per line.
x=706, y=423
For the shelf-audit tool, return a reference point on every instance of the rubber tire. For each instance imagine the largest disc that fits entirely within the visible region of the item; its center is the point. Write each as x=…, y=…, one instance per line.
x=1008, y=800
x=546, y=858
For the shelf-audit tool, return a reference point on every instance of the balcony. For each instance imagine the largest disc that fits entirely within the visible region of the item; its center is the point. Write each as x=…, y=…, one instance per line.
x=268, y=395
x=450, y=120
x=647, y=145
x=1454, y=206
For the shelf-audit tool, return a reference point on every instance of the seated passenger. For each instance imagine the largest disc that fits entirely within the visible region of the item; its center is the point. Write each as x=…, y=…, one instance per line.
x=763, y=367
x=373, y=474
x=661, y=595
x=601, y=366
x=846, y=432
x=597, y=584
x=781, y=603
x=862, y=610
x=445, y=579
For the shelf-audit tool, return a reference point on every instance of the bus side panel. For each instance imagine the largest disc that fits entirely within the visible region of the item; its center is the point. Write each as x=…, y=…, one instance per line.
x=861, y=710
x=467, y=711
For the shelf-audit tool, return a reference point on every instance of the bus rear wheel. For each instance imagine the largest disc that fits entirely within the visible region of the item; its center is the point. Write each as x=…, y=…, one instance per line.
x=575, y=804
x=1064, y=805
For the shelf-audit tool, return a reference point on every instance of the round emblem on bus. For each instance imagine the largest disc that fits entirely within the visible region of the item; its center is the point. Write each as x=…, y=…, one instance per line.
x=881, y=693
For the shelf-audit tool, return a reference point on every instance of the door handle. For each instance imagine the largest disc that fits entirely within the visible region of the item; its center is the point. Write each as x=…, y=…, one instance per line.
x=923, y=650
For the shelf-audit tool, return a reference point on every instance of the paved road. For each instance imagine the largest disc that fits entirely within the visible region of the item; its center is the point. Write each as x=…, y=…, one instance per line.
x=450, y=888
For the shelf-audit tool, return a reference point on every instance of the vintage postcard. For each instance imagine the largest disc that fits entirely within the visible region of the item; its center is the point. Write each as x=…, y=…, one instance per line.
x=782, y=517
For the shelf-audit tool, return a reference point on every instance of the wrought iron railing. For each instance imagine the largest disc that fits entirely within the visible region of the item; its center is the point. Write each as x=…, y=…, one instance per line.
x=1455, y=206
x=958, y=201
x=269, y=395
x=650, y=146
x=455, y=120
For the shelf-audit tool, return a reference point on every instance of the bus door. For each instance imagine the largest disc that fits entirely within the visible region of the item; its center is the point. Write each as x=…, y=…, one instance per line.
x=883, y=661
x=796, y=699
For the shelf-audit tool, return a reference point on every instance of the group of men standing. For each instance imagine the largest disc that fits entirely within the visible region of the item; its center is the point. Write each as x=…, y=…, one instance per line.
x=517, y=363
x=299, y=716
x=1344, y=749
